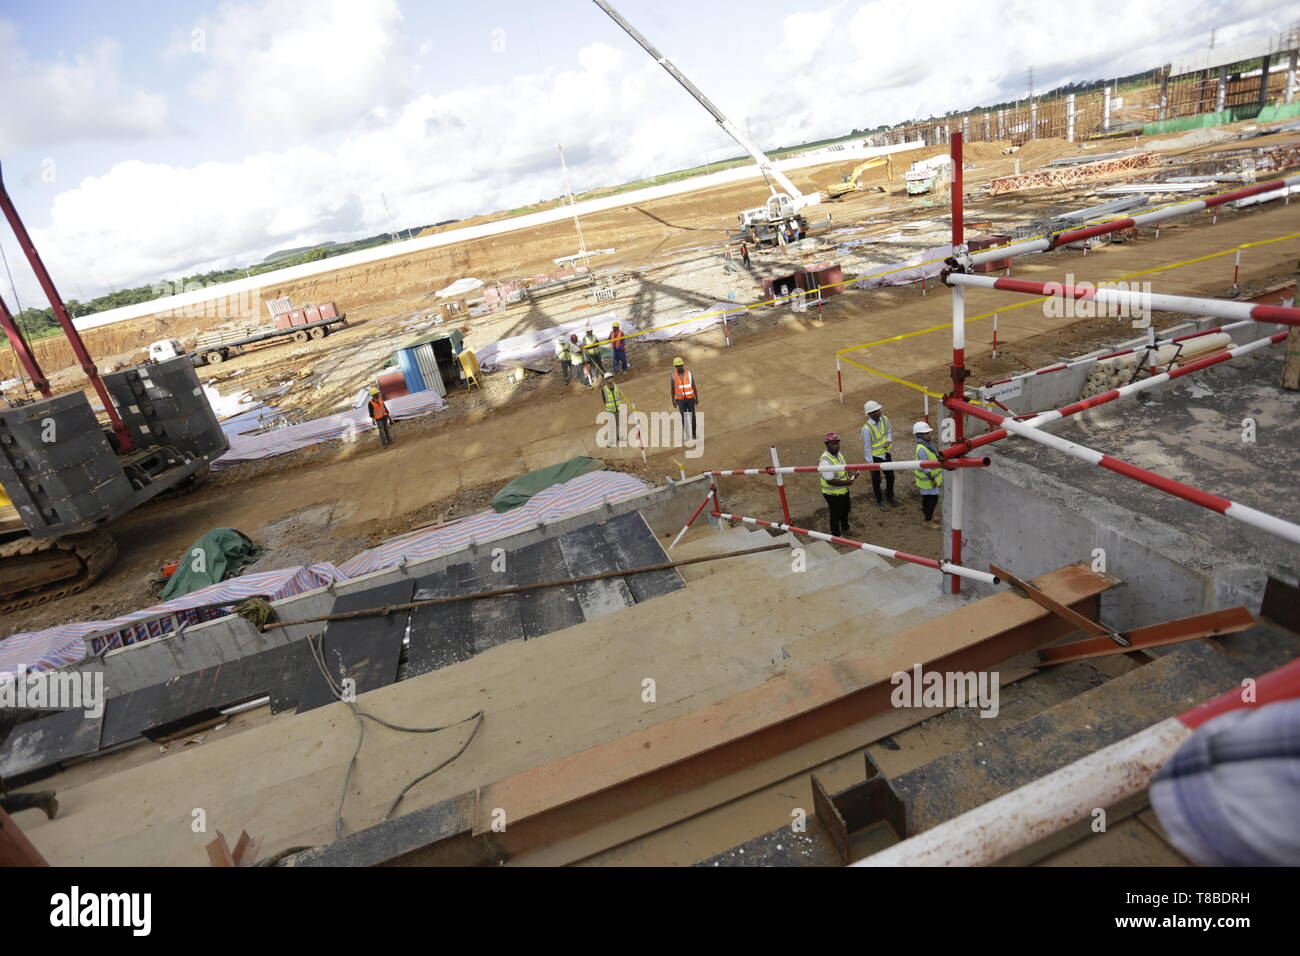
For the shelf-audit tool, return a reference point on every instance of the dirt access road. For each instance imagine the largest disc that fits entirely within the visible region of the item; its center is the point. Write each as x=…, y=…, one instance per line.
x=774, y=387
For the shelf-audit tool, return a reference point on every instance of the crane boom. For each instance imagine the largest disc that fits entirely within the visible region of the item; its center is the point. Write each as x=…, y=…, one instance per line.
x=764, y=164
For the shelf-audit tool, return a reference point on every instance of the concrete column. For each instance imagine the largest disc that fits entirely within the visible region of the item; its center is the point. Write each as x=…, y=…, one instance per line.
x=1263, y=80
x=1222, y=102
x=1033, y=120
x=1164, y=93
x=1290, y=76
x=1069, y=117
x=1105, y=109
x=988, y=132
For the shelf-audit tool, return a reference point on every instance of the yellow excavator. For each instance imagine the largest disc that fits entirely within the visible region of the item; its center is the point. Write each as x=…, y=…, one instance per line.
x=851, y=184
x=65, y=474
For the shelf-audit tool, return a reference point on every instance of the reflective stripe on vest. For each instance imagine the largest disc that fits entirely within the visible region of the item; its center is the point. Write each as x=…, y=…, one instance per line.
x=879, y=433
x=927, y=478
x=378, y=409
x=683, y=388
x=828, y=489
x=613, y=397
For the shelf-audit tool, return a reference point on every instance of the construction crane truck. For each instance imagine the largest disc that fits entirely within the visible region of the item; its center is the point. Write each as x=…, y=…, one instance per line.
x=64, y=475
x=766, y=223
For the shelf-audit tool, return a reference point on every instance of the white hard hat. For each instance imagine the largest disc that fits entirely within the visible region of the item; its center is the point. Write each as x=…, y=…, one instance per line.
x=871, y=407
x=921, y=428
x=609, y=374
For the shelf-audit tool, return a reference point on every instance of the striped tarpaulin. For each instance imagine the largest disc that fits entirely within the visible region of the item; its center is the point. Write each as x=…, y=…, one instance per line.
x=355, y=422
x=59, y=646
x=554, y=504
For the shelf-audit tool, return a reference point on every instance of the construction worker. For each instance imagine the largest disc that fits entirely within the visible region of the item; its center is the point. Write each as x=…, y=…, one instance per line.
x=613, y=397
x=591, y=352
x=379, y=415
x=618, y=342
x=744, y=254
x=564, y=357
x=928, y=480
x=686, y=396
x=877, y=440
x=835, y=485
x=580, y=365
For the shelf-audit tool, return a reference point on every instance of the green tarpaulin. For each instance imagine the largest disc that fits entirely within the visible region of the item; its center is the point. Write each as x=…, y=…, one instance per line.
x=221, y=553
x=525, y=486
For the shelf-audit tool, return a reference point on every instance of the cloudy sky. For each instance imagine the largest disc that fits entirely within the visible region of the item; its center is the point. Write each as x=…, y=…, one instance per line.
x=147, y=140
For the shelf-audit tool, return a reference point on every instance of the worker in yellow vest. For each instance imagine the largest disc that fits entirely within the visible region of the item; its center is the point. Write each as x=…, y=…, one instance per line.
x=615, y=402
x=928, y=480
x=835, y=483
x=686, y=396
x=877, y=440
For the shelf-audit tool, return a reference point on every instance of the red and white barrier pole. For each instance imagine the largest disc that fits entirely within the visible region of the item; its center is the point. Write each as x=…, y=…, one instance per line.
x=955, y=488
x=1155, y=217
x=1124, y=390
x=1224, y=506
x=839, y=378
x=687, y=527
x=1236, y=271
x=995, y=335
x=944, y=566
x=828, y=470
x=780, y=485
x=926, y=417
x=1023, y=817
x=726, y=335
x=1220, y=308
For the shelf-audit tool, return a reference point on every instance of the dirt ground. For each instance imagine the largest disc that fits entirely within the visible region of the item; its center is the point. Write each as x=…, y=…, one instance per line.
x=775, y=385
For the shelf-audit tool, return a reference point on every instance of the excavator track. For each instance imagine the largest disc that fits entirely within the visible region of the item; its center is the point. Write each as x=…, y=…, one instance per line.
x=36, y=572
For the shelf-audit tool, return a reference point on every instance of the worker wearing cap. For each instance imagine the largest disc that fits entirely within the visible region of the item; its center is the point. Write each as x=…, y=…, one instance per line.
x=928, y=480
x=686, y=395
x=564, y=356
x=835, y=484
x=379, y=415
x=877, y=440
x=613, y=398
x=580, y=366
x=618, y=342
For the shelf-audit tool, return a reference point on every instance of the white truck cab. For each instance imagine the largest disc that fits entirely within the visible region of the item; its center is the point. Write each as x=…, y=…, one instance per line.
x=165, y=349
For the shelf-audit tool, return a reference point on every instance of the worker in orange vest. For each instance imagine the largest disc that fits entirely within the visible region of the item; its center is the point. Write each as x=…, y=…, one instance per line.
x=686, y=395
x=379, y=415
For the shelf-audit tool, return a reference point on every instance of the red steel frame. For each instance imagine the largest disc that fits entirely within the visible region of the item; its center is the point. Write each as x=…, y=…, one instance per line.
x=124, y=440
x=959, y=372
x=24, y=351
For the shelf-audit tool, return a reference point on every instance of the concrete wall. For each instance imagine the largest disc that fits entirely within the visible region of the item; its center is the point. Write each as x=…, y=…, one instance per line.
x=229, y=638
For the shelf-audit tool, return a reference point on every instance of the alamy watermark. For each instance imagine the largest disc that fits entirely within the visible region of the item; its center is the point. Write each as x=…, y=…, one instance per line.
x=947, y=689
x=1058, y=306
x=245, y=303
x=53, y=690
x=636, y=429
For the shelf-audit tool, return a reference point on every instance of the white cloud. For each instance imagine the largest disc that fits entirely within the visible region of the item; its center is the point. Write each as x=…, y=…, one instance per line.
x=67, y=100
x=297, y=68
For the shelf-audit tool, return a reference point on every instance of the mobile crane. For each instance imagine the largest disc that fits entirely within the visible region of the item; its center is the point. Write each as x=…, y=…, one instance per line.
x=64, y=474
x=766, y=223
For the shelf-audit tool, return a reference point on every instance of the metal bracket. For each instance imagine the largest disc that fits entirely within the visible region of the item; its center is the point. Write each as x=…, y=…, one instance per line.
x=858, y=807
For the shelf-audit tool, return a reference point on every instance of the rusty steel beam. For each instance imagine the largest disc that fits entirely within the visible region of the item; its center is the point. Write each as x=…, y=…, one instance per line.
x=548, y=805
x=1080, y=622
x=1227, y=621
x=15, y=848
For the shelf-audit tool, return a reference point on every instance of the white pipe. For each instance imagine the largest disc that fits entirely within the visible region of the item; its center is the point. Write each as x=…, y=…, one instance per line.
x=1266, y=197
x=958, y=318
x=1021, y=818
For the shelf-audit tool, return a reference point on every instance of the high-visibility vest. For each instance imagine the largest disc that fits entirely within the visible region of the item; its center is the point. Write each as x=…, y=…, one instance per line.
x=613, y=397
x=589, y=346
x=879, y=434
x=616, y=339
x=562, y=350
x=683, y=388
x=927, y=478
x=378, y=409
x=828, y=489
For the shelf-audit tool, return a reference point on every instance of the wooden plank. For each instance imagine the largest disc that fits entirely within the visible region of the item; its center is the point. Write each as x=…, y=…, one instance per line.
x=367, y=650
x=1227, y=621
x=1017, y=624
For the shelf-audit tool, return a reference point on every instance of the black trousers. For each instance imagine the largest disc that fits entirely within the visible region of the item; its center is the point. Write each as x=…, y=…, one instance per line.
x=385, y=438
x=839, y=506
x=564, y=367
x=928, y=504
x=889, y=480
x=687, y=407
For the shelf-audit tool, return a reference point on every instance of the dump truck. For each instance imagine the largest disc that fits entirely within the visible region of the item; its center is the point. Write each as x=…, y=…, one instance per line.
x=310, y=323
x=68, y=469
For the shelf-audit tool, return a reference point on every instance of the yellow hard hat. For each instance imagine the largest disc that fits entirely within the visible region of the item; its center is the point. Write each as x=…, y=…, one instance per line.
x=678, y=361
x=615, y=323
x=373, y=390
